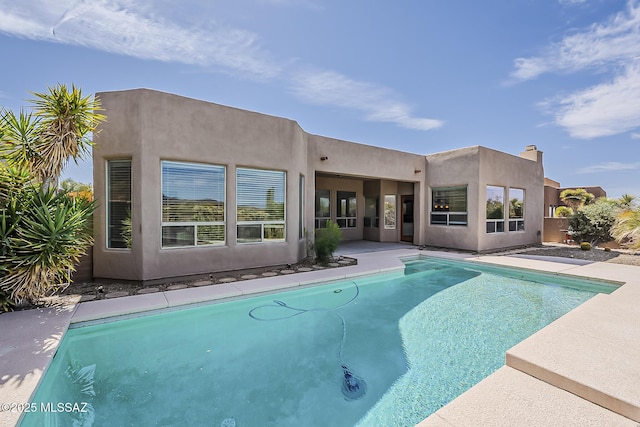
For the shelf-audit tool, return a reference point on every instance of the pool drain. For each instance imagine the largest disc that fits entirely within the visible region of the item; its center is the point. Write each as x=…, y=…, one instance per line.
x=228, y=422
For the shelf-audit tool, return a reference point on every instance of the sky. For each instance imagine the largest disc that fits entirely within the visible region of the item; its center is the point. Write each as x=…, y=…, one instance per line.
x=421, y=76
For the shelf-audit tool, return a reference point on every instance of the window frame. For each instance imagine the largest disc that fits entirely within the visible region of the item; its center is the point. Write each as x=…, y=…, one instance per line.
x=444, y=207
x=390, y=211
x=195, y=224
x=494, y=225
x=517, y=222
x=344, y=219
x=261, y=223
x=109, y=208
x=321, y=221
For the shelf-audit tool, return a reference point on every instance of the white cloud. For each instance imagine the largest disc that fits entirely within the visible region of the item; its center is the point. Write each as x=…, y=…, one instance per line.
x=608, y=45
x=635, y=135
x=609, y=166
x=118, y=27
x=149, y=29
x=571, y=2
x=603, y=110
x=378, y=103
x=611, y=49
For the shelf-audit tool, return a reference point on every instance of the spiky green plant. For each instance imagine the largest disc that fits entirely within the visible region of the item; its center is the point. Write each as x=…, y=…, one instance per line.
x=67, y=120
x=43, y=231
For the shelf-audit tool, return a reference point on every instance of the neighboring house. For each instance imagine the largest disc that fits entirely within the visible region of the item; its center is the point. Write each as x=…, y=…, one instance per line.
x=189, y=187
x=556, y=229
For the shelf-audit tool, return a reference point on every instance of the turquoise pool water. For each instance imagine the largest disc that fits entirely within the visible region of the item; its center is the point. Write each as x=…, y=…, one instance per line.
x=409, y=344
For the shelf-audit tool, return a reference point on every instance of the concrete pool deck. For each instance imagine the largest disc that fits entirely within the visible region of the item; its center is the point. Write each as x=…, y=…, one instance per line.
x=582, y=369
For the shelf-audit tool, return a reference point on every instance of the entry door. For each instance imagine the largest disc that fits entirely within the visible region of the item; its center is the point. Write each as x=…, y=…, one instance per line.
x=406, y=226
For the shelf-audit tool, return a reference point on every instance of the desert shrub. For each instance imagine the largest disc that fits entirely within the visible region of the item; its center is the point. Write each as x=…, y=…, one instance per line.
x=585, y=246
x=327, y=241
x=592, y=223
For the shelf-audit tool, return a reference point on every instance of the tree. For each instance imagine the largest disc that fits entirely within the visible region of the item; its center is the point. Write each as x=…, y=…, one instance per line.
x=563, y=212
x=77, y=189
x=592, y=223
x=43, y=231
x=576, y=198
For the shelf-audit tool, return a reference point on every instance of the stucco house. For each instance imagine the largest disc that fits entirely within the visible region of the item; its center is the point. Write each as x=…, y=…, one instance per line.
x=187, y=187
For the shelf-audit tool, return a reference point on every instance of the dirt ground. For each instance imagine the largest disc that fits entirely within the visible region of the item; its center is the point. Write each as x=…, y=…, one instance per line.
x=112, y=289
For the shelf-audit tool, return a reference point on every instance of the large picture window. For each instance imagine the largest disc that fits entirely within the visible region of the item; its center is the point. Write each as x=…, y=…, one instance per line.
x=347, y=206
x=495, y=209
x=516, y=209
x=323, y=208
x=119, y=204
x=260, y=205
x=193, y=204
x=449, y=205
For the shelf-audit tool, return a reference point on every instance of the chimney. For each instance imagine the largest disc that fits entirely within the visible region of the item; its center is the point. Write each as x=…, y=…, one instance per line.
x=531, y=152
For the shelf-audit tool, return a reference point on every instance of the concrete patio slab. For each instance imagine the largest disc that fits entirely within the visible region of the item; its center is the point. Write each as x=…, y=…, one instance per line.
x=605, y=370
x=101, y=309
x=29, y=341
x=186, y=296
x=511, y=398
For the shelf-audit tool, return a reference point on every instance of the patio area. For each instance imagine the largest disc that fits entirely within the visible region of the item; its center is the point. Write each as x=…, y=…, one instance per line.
x=582, y=369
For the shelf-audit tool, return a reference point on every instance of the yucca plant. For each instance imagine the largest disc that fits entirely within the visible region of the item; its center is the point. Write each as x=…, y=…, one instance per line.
x=67, y=120
x=43, y=231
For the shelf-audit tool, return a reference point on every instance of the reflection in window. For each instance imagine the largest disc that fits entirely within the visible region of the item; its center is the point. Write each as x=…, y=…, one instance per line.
x=119, y=204
x=346, y=209
x=449, y=205
x=495, y=209
x=516, y=209
x=390, y=212
x=323, y=208
x=371, y=212
x=193, y=211
x=260, y=203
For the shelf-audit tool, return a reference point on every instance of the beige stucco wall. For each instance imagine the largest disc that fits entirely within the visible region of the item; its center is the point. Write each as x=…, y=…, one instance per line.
x=151, y=126
x=478, y=167
x=447, y=169
x=148, y=126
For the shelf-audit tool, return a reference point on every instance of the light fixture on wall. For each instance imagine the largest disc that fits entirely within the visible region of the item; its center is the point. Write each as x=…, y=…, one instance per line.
x=417, y=171
x=323, y=158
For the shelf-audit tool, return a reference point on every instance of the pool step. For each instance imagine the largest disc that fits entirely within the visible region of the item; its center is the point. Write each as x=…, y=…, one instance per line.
x=591, y=352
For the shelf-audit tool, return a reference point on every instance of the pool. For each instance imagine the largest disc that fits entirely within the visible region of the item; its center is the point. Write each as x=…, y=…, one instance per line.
x=379, y=350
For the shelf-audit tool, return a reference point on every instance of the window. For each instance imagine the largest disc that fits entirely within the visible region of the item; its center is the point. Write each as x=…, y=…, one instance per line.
x=371, y=212
x=347, y=208
x=119, y=204
x=301, y=207
x=323, y=208
x=516, y=209
x=449, y=205
x=495, y=209
x=260, y=205
x=193, y=206
x=390, y=212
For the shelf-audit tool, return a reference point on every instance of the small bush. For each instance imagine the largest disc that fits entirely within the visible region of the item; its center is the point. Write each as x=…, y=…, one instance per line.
x=607, y=249
x=327, y=241
x=585, y=246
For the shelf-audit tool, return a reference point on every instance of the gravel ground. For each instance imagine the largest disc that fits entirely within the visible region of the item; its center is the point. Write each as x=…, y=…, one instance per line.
x=111, y=289
x=616, y=256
